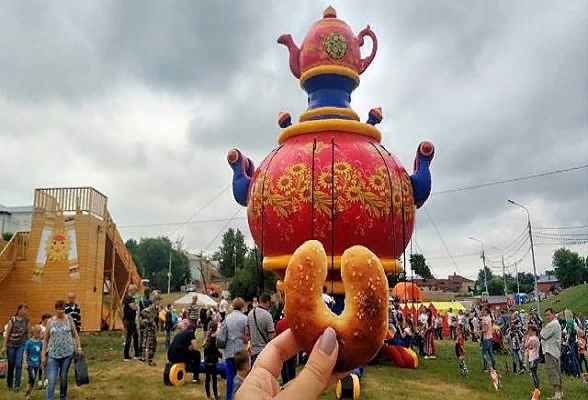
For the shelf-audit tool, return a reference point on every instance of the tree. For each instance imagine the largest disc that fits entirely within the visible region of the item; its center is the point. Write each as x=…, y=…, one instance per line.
x=227, y=254
x=526, y=282
x=152, y=255
x=240, y=249
x=569, y=267
x=480, y=281
x=7, y=236
x=419, y=266
x=496, y=286
x=246, y=283
x=231, y=253
x=133, y=248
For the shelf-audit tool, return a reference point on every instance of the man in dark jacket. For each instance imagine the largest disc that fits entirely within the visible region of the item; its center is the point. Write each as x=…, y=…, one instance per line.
x=183, y=349
x=129, y=317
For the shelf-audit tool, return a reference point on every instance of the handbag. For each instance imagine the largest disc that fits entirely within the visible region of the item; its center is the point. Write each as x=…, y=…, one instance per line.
x=222, y=337
x=81, y=370
x=257, y=326
x=3, y=368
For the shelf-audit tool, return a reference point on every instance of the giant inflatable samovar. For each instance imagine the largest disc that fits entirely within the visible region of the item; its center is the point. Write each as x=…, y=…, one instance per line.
x=330, y=178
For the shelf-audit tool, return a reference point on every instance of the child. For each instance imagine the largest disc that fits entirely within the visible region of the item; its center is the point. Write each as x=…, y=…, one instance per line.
x=460, y=353
x=169, y=325
x=44, y=319
x=243, y=365
x=515, y=335
x=211, y=356
x=32, y=358
x=582, y=348
x=419, y=340
x=149, y=317
x=532, y=347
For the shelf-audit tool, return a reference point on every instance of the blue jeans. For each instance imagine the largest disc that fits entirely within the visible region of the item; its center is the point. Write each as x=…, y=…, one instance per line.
x=487, y=350
x=167, y=339
x=517, y=357
x=231, y=372
x=57, y=366
x=533, y=365
x=33, y=374
x=14, y=355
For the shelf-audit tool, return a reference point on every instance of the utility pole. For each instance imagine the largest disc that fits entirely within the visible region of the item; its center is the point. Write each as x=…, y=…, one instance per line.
x=532, y=252
x=517, y=273
x=503, y=271
x=484, y=263
x=169, y=272
x=504, y=277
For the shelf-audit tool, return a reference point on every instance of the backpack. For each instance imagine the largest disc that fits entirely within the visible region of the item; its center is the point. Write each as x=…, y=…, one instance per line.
x=222, y=337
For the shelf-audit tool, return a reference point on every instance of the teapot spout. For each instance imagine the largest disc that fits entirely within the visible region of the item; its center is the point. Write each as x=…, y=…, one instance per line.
x=287, y=41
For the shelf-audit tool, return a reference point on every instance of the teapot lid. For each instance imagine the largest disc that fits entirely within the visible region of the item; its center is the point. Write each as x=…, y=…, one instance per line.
x=329, y=12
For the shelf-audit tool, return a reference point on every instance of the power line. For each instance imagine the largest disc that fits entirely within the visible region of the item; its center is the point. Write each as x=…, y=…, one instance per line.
x=200, y=209
x=199, y=221
x=560, y=228
x=222, y=229
x=444, y=191
x=442, y=240
x=522, y=178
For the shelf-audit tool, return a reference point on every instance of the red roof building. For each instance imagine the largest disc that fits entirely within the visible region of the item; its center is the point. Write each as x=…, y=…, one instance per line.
x=454, y=284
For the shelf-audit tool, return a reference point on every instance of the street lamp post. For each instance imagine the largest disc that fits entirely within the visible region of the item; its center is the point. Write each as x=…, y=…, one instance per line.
x=484, y=263
x=503, y=270
x=532, y=251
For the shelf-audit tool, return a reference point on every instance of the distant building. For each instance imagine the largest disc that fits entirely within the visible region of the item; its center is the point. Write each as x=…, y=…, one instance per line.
x=454, y=284
x=496, y=303
x=14, y=219
x=202, y=264
x=547, y=283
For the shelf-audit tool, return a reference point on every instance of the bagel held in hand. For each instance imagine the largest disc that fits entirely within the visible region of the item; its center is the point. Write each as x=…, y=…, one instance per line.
x=362, y=326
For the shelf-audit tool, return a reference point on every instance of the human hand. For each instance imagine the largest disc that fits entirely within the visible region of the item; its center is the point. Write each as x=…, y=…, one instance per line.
x=317, y=375
x=79, y=351
x=43, y=359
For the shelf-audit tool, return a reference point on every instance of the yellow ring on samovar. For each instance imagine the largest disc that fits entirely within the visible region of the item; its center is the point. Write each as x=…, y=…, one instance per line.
x=357, y=127
x=390, y=265
x=343, y=112
x=328, y=69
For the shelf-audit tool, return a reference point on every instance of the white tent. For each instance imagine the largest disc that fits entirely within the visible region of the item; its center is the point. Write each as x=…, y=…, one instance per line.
x=203, y=300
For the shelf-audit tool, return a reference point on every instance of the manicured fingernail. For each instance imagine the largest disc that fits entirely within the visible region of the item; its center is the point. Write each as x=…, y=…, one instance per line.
x=328, y=341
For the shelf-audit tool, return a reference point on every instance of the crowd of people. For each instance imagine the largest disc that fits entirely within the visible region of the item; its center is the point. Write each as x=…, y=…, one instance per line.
x=558, y=340
x=46, y=348
x=247, y=330
x=237, y=335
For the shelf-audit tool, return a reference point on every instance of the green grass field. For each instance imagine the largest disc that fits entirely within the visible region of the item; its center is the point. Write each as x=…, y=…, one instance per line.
x=575, y=299
x=111, y=378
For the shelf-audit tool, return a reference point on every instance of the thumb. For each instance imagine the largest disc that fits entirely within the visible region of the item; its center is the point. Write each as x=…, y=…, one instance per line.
x=315, y=377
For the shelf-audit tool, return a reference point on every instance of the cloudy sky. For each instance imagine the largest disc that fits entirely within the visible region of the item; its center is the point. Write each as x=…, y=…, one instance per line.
x=143, y=99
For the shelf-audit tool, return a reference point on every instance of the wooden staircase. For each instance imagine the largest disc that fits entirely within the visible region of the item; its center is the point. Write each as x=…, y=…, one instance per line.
x=15, y=250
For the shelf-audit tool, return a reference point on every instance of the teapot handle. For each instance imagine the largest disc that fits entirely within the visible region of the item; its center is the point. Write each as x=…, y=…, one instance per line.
x=365, y=62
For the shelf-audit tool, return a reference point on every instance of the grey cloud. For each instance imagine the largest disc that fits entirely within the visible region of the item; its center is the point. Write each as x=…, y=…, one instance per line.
x=500, y=88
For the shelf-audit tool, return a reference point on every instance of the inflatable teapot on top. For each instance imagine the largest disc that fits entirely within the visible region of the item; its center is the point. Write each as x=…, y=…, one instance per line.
x=330, y=179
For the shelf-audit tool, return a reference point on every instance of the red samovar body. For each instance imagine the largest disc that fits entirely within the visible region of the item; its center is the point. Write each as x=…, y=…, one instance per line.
x=330, y=179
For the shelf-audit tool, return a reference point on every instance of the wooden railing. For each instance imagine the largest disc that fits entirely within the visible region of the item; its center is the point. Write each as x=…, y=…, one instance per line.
x=16, y=248
x=84, y=199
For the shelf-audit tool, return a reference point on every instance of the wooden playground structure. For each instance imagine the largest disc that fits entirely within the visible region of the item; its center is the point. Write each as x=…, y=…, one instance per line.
x=73, y=245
